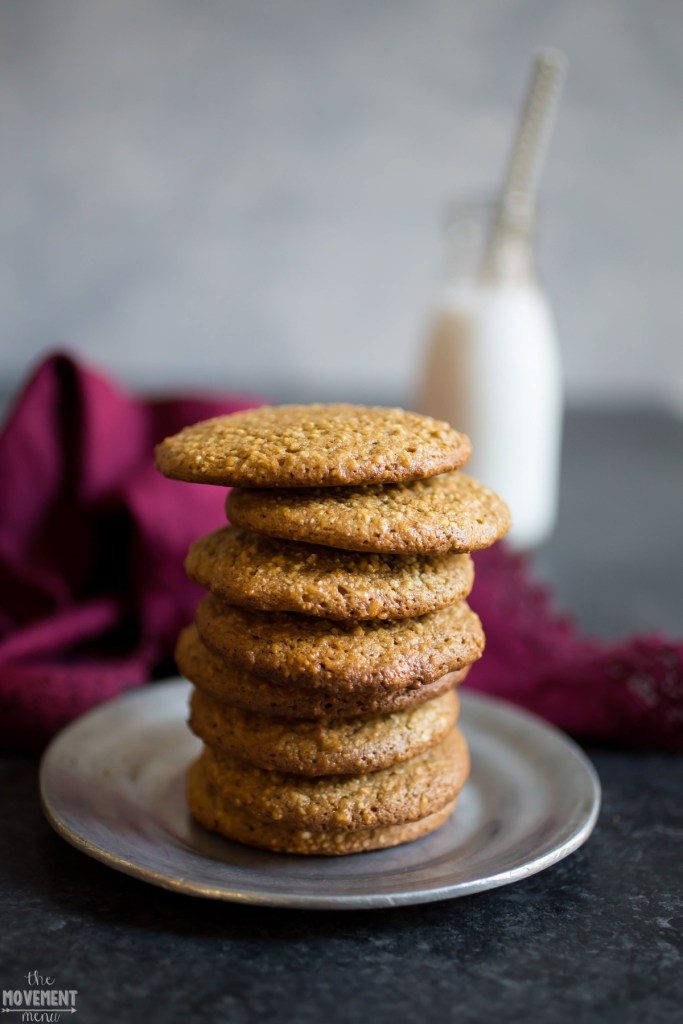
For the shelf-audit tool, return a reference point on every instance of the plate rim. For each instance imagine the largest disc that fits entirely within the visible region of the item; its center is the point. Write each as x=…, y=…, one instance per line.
x=324, y=901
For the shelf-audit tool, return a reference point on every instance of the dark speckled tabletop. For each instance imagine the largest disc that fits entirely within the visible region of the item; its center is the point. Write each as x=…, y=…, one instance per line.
x=596, y=938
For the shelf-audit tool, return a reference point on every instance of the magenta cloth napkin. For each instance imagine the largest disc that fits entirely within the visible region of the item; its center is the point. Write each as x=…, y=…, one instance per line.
x=629, y=692
x=92, y=541
x=93, y=593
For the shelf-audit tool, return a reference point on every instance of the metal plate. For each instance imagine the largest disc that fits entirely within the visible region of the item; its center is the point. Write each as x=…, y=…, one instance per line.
x=112, y=784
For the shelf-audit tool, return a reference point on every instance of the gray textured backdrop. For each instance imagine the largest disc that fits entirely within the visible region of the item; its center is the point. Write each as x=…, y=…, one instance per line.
x=248, y=193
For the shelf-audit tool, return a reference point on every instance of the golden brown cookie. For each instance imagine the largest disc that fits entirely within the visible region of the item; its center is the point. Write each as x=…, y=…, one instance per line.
x=253, y=571
x=349, y=655
x=232, y=685
x=339, y=747
x=218, y=814
x=446, y=513
x=312, y=445
x=451, y=512
x=404, y=792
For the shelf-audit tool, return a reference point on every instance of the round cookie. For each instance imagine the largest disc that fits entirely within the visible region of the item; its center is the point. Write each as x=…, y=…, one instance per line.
x=451, y=512
x=345, y=747
x=349, y=655
x=219, y=815
x=257, y=572
x=232, y=685
x=392, y=796
x=312, y=445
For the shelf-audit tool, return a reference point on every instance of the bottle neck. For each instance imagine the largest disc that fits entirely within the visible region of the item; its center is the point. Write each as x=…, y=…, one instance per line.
x=491, y=245
x=508, y=257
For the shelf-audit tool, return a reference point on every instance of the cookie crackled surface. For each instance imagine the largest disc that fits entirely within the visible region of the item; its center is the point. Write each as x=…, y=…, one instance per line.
x=239, y=688
x=284, y=647
x=446, y=513
x=213, y=811
x=328, y=747
x=312, y=445
x=403, y=792
x=262, y=573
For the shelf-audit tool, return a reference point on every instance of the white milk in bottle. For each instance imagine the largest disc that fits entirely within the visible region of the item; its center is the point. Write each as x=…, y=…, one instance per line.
x=492, y=368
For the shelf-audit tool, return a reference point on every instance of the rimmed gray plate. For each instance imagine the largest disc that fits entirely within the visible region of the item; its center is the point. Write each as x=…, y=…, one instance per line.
x=112, y=784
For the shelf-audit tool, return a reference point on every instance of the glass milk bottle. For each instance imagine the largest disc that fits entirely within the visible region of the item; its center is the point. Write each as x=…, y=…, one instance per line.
x=492, y=367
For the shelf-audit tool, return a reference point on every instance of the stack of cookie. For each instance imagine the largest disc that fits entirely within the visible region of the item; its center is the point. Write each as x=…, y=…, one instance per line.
x=326, y=654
